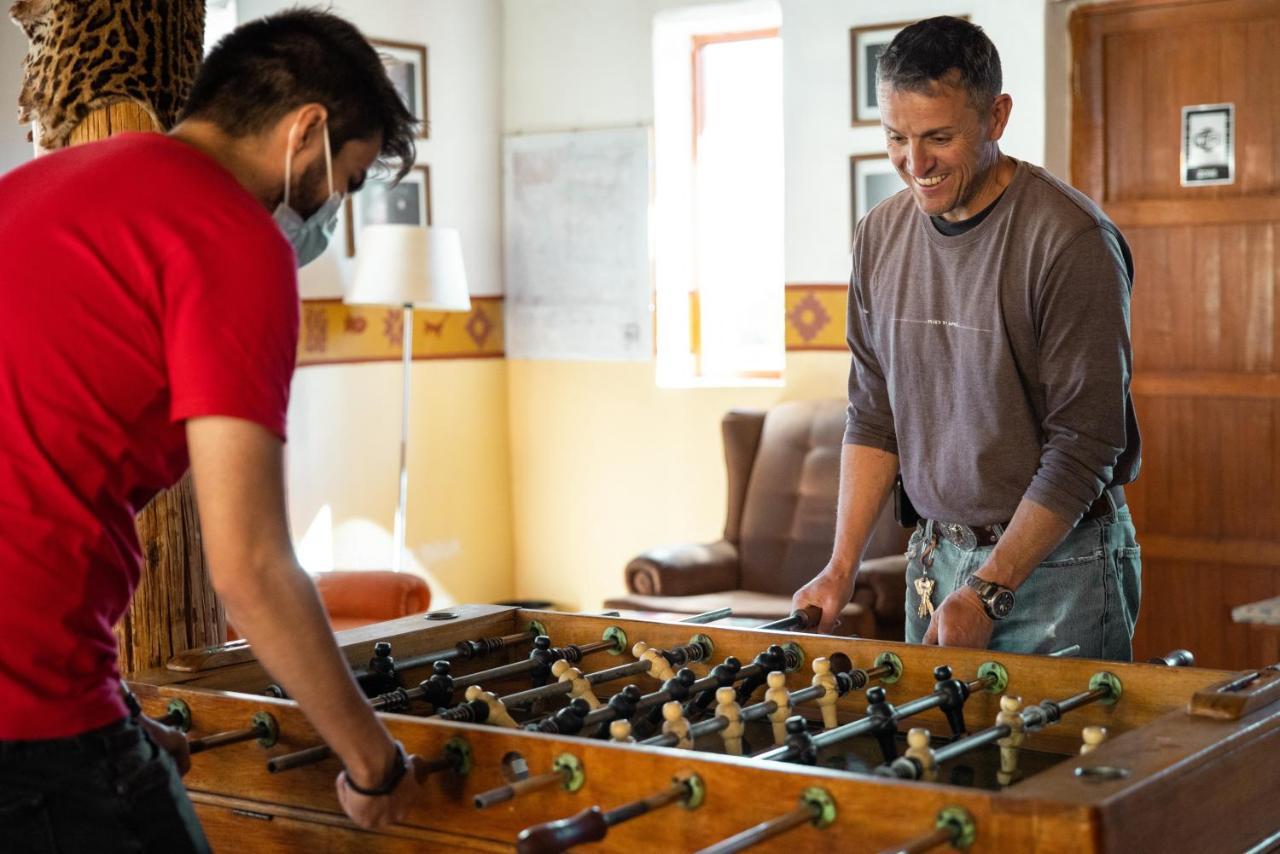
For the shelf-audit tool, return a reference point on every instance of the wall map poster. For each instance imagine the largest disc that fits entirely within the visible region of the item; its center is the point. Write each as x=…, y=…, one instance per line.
x=1208, y=145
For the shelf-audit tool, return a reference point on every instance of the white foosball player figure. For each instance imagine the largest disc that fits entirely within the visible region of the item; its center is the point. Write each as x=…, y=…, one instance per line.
x=659, y=667
x=918, y=749
x=727, y=707
x=1008, y=716
x=620, y=730
x=676, y=724
x=779, y=694
x=824, y=678
x=497, y=711
x=1093, y=736
x=580, y=686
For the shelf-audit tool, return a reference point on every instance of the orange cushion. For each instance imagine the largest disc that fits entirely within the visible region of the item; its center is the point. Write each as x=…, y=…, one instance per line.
x=355, y=598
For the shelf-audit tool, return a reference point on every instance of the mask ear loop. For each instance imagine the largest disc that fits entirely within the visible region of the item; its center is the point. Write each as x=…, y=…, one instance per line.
x=328, y=157
x=288, y=164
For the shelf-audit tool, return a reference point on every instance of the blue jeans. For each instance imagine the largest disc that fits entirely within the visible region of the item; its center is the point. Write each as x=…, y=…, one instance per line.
x=1085, y=592
x=104, y=791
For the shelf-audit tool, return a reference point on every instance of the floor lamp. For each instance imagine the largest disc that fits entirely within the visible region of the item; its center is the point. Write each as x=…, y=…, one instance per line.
x=411, y=267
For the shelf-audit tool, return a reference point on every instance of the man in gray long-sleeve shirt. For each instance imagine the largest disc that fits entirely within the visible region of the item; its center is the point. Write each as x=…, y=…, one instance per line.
x=989, y=327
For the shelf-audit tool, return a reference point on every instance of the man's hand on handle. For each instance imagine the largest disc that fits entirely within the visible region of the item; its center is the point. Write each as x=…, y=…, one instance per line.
x=829, y=590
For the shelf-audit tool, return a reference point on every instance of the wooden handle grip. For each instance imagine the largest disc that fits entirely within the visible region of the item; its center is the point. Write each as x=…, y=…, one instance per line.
x=562, y=834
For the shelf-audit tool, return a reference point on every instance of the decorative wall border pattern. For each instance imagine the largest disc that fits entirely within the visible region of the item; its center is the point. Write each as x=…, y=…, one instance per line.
x=335, y=333
x=816, y=317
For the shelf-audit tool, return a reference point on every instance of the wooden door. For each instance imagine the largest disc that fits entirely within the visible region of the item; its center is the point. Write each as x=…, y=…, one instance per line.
x=1205, y=333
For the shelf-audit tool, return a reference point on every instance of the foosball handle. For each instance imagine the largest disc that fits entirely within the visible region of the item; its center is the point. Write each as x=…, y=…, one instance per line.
x=1177, y=658
x=810, y=616
x=562, y=834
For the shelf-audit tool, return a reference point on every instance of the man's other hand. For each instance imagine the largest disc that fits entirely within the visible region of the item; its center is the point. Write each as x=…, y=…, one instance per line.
x=960, y=621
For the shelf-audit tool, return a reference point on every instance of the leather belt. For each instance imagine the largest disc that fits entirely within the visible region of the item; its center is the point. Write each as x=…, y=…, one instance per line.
x=969, y=537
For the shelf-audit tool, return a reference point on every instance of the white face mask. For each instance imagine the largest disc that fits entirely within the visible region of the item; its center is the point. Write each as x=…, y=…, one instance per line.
x=310, y=236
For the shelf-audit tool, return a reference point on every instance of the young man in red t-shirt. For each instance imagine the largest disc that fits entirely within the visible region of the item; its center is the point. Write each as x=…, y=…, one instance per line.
x=150, y=302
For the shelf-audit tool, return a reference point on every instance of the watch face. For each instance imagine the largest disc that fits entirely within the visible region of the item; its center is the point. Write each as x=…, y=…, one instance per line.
x=1002, y=604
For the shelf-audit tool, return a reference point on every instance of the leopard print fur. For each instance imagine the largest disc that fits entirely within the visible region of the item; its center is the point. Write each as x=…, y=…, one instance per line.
x=86, y=54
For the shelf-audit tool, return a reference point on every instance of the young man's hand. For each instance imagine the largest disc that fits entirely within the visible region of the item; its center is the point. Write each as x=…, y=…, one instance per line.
x=170, y=740
x=371, y=812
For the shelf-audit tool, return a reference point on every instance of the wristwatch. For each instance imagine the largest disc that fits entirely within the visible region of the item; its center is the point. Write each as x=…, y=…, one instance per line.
x=997, y=599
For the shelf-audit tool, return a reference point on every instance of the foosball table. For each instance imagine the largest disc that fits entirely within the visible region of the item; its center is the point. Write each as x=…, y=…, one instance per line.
x=544, y=731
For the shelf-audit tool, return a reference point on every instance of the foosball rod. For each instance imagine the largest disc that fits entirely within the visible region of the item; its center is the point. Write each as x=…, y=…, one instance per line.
x=708, y=616
x=592, y=824
x=571, y=652
x=263, y=728
x=566, y=770
x=762, y=710
x=988, y=677
x=657, y=698
x=804, y=618
x=678, y=656
x=816, y=808
x=954, y=826
x=469, y=649
x=1103, y=686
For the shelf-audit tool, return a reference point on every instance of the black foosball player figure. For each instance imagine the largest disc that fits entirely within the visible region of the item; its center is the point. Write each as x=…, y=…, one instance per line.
x=885, y=727
x=623, y=705
x=726, y=675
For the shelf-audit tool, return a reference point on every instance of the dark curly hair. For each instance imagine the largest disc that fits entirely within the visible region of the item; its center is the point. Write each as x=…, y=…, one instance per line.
x=944, y=49
x=265, y=68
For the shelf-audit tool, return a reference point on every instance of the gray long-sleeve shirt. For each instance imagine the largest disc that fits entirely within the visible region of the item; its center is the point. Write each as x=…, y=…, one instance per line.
x=995, y=363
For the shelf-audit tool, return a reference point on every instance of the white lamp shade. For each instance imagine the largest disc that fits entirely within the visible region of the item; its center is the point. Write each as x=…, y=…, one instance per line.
x=409, y=265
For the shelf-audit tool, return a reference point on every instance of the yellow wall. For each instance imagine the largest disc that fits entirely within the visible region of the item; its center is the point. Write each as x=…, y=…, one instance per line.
x=604, y=464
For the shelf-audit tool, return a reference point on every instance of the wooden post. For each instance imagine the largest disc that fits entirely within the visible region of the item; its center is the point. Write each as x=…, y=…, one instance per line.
x=174, y=607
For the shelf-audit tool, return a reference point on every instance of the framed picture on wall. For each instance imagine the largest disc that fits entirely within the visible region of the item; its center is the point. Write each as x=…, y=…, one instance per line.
x=407, y=67
x=873, y=179
x=379, y=203
x=865, y=46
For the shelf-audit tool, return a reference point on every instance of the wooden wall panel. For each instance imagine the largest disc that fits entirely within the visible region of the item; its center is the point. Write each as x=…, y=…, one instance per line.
x=1205, y=332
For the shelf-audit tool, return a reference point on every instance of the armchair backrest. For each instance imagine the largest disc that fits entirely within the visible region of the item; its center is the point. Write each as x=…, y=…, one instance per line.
x=783, y=471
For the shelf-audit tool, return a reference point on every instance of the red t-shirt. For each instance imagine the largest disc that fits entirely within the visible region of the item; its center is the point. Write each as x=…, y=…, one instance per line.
x=140, y=285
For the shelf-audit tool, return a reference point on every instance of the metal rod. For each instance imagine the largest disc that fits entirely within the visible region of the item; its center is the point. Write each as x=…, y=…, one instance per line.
x=519, y=787
x=1066, y=651
x=298, y=759
x=964, y=745
x=940, y=836
x=555, y=689
x=457, y=652
x=762, y=831
x=708, y=616
x=222, y=739
x=406, y=344
x=1082, y=699
x=678, y=791
x=516, y=668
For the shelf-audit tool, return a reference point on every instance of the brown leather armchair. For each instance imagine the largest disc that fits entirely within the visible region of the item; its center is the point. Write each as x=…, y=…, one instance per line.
x=783, y=477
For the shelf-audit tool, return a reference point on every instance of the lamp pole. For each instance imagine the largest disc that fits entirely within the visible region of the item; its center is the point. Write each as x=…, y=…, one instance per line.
x=398, y=534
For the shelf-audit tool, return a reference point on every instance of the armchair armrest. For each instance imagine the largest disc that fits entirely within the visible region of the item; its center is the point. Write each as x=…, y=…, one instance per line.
x=684, y=570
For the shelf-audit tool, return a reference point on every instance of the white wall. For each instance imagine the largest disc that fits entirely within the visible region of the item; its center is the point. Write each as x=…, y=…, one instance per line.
x=589, y=63
x=819, y=139
x=14, y=148
x=344, y=420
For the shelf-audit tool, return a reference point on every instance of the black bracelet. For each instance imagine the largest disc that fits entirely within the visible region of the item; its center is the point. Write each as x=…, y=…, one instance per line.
x=389, y=783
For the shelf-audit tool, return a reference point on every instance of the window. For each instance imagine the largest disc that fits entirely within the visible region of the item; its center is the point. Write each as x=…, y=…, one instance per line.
x=719, y=201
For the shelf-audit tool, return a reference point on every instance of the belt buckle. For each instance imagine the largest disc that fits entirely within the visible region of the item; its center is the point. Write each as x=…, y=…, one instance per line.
x=961, y=536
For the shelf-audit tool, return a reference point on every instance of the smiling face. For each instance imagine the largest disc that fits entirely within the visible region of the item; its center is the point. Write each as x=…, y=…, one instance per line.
x=944, y=148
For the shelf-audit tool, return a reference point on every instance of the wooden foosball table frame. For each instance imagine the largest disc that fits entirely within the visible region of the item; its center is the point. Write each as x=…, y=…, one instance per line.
x=1192, y=764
